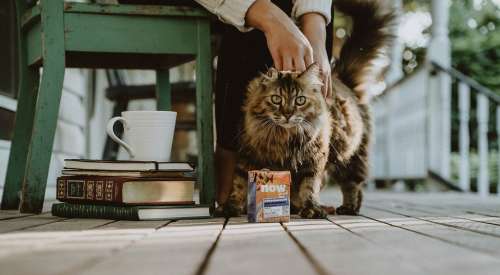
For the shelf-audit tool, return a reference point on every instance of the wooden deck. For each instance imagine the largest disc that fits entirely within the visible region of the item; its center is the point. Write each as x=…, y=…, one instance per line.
x=396, y=234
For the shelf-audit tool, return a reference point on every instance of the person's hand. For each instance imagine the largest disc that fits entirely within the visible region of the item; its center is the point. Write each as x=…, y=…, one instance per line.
x=289, y=48
x=314, y=27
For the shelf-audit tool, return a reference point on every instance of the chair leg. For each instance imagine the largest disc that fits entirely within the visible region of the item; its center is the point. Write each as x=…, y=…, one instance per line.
x=163, y=90
x=28, y=89
x=46, y=107
x=204, y=113
x=42, y=137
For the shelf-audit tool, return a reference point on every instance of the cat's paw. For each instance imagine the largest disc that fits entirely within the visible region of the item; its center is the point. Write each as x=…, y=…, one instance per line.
x=232, y=209
x=218, y=211
x=330, y=210
x=294, y=210
x=313, y=211
x=347, y=210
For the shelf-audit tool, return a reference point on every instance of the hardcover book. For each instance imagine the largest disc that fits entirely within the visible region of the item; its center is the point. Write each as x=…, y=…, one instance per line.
x=134, y=213
x=125, y=190
x=124, y=173
x=127, y=165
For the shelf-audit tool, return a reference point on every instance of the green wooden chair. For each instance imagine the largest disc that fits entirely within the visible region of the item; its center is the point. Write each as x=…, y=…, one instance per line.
x=56, y=35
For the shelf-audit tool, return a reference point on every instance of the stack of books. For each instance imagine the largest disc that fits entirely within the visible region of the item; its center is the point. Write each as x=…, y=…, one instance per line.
x=127, y=190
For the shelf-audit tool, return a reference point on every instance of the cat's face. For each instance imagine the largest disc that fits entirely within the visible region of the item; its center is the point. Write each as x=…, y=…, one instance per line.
x=288, y=99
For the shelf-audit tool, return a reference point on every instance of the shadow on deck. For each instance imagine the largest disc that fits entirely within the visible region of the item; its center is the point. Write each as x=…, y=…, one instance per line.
x=446, y=233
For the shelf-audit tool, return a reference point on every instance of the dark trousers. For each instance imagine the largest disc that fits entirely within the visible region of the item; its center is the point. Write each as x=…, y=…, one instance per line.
x=242, y=56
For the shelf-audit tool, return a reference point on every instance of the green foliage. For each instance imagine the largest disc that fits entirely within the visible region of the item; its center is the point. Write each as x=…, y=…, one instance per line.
x=474, y=169
x=474, y=31
x=475, y=39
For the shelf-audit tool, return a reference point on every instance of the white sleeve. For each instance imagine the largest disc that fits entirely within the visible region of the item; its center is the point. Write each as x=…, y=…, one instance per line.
x=229, y=11
x=323, y=7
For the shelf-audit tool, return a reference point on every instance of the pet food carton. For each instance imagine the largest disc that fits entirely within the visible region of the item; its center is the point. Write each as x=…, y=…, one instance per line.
x=268, y=196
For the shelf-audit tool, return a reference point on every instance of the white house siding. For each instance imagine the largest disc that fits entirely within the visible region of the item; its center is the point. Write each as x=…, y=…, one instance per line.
x=401, y=126
x=70, y=134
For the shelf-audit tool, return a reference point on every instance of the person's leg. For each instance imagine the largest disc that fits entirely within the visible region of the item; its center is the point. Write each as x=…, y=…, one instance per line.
x=225, y=162
x=241, y=57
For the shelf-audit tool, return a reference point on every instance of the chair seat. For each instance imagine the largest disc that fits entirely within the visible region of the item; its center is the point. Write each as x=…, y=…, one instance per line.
x=124, y=60
x=121, y=36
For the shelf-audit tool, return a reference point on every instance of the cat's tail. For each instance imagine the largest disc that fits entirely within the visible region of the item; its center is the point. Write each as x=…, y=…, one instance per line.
x=363, y=58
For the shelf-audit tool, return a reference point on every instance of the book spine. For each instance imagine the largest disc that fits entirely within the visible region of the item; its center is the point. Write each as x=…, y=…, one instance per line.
x=89, y=189
x=67, y=210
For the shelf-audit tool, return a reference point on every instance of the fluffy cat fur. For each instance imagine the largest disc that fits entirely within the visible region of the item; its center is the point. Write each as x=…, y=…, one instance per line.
x=288, y=125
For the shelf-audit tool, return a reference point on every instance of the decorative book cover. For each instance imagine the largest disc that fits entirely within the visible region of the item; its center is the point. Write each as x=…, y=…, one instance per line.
x=110, y=190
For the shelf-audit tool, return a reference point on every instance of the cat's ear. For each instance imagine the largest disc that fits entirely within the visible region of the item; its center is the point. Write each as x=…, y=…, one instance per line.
x=270, y=76
x=311, y=75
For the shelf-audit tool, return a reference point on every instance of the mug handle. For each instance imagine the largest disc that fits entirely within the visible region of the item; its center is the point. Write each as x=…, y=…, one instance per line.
x=112, y=135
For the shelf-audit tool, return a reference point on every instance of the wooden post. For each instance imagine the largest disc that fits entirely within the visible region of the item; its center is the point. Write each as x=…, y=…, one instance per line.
x=395, y=72
x=482, y=119
x=163, y=90
x=439, y=51
x=46, y=108
x=498, y=149
x=29, y=79
x=204, y=113
x=439, y=45
x=463, y=107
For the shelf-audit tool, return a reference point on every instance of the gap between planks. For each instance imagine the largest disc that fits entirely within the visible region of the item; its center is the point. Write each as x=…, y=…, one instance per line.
x=318, y=267
x=445, y=221
x=456, y=236
x=204, y=264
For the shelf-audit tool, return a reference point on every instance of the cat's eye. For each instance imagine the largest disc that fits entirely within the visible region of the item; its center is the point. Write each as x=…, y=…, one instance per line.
x=301, y=100
x=276, y=99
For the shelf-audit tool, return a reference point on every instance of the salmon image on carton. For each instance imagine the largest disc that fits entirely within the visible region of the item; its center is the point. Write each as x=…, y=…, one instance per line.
x=268, y=196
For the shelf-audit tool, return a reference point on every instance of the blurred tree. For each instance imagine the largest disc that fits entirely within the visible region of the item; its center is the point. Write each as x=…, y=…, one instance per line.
x=475, y=37
x=474, y=31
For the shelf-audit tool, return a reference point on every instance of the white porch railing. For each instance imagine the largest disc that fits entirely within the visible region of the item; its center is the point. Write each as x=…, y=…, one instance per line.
x=484, y=98
x=413, y=128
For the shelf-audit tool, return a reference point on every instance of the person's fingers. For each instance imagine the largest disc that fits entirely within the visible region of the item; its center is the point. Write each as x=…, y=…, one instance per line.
x=277, y=61
x=299, y=65
x=330, y=88
x=308, y=56
x=287, y=63
x=324, y=89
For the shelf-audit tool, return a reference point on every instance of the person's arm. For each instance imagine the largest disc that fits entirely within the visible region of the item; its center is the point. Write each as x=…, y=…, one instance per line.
x=313, y=16
x=322, y=7
x=232, y=12
x=289, y=48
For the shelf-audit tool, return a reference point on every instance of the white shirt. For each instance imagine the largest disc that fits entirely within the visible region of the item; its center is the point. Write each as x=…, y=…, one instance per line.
x=233, y=11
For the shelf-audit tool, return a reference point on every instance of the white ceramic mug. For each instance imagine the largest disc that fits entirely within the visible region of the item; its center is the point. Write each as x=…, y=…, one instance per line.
x=147, y=135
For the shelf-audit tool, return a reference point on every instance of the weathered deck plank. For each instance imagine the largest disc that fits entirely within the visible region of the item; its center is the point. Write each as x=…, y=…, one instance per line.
x=62, y=247
x=118, y=225
x=341, y=252
x=22, y=223
x=245, y=248
x=433, y=257
x=464, y=238
x=71, y=225
x=398, y=233
x=448, y=217
x=179, y=248
x=12, y=214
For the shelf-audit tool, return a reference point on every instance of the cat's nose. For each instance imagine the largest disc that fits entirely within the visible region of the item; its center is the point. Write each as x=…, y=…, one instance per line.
x=287, y=116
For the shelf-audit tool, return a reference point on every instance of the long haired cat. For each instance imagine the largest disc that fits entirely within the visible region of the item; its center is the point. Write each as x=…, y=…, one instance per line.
x=288, y=124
